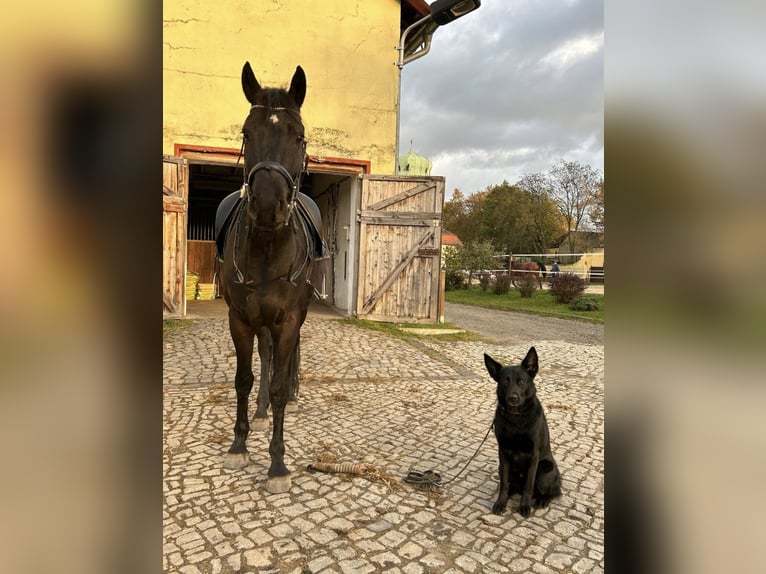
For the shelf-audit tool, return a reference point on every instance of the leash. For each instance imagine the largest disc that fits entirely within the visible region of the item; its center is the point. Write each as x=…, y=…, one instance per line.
x=431, y=477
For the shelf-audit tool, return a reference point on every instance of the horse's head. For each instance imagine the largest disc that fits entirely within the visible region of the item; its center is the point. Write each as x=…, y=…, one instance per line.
x=274, y=148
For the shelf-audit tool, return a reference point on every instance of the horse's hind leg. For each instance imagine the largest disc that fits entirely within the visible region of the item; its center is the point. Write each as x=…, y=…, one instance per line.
x=295, y=362
x=265, y=348
x=243, y=337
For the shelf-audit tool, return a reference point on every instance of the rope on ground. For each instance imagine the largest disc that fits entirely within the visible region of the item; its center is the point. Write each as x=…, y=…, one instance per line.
x=327, y=462
x=418, y=478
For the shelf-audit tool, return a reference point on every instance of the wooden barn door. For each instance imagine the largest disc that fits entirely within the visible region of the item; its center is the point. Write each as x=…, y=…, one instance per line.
x=400, y=248
x=175, y=193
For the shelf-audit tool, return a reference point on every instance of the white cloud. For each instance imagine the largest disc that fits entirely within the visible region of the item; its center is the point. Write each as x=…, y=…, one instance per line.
x=572, y=51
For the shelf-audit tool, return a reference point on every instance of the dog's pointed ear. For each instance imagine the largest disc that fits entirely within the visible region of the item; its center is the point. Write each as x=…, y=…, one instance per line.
x=493, y=367
x=298, y=86
x=530, y=362
x=249, y=84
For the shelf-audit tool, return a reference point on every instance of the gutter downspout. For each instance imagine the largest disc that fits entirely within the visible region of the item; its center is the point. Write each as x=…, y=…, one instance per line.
x=400, y=63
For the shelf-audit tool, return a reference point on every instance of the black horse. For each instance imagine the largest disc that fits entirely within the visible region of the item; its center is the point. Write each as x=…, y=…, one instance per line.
x=267, y=264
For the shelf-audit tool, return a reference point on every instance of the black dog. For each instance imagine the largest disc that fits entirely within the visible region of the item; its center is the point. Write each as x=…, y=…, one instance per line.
x=526, y=462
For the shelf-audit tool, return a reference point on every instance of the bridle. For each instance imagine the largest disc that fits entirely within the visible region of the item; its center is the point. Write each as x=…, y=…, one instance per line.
x=293, y=182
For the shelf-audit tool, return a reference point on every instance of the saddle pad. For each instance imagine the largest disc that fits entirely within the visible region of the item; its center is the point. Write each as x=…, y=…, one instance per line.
x=224, y=216
x=309, y=212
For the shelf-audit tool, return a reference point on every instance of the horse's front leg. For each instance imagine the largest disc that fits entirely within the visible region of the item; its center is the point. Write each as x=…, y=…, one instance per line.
x=279, y=390
x=265, y=349
x=243, y=337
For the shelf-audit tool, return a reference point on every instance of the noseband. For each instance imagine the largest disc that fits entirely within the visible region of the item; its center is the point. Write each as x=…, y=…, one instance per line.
x=294, y=183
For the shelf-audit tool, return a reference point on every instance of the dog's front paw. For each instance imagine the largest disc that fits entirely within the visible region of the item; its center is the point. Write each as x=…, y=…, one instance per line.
x=498, y=507
x=524, y=510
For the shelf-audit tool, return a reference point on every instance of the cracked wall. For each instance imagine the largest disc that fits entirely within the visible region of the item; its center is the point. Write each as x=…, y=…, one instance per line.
x=345, y=47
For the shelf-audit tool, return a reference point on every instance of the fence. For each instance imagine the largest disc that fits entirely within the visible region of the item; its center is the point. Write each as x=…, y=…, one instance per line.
x=589, y=266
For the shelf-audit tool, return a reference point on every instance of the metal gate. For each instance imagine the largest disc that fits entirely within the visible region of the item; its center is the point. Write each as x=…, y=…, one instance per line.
x=400, y=248
x=175, y=192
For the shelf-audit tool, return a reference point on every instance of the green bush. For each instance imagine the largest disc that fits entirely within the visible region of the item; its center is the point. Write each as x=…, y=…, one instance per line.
x=454, y=280
x=502, y=285
x=484, y=281
x=527, y=285
x=584, y=304
x=566, y=287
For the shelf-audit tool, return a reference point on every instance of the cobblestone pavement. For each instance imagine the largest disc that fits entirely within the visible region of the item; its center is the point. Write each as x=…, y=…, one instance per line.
x=399, y=404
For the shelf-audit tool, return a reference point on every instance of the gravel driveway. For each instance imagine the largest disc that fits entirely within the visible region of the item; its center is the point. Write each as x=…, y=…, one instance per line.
x=516, y=327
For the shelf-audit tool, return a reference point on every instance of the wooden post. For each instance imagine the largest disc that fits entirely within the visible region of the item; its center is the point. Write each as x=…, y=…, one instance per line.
x=442, y=299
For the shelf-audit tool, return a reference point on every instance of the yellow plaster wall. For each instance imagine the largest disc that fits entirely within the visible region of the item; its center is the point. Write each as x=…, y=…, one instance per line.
x=345, y=47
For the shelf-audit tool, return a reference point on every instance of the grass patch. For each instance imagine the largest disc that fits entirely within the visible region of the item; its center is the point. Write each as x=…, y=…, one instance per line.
x=541, y=303
x=171, y=325
x=395, y=330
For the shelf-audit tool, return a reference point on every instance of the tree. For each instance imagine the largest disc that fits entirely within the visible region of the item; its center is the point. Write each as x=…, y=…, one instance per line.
x=470, y=257
x=521, y=218
x=461, y=215
x=596, y=214
x=453, y=212
x=545, y=222
x=503, y=218
x=575, y=188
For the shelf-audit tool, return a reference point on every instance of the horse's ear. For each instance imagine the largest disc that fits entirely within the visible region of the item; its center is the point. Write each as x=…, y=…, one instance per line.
x=249, y=84
x=298, y=86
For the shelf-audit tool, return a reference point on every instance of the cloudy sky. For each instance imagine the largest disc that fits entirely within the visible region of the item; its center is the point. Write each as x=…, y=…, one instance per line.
x=507, y=90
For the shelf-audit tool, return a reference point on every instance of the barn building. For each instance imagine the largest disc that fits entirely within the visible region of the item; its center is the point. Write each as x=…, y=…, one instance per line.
x=383, y=229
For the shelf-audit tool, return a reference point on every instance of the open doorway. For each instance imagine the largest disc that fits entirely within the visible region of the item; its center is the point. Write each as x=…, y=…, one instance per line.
x=333, y=184
x=209, y=183
x=337, y=198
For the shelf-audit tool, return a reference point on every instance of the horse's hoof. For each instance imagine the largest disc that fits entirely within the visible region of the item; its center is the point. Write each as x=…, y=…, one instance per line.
x=236, y=460
x=278, y=484
x=291, y=407
x=259, y=424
